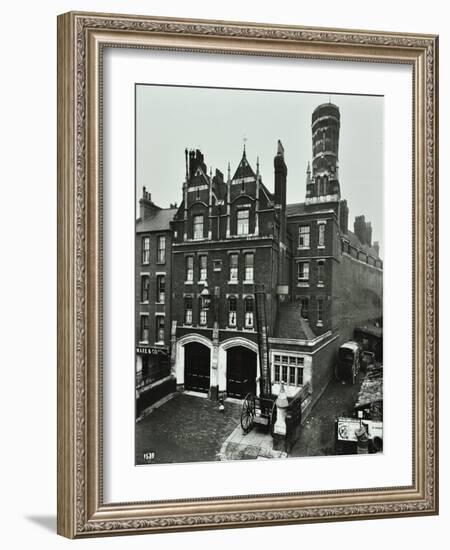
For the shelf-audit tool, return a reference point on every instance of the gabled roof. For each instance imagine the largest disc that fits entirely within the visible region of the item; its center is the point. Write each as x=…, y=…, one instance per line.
x=159, y=222
x=244, y=170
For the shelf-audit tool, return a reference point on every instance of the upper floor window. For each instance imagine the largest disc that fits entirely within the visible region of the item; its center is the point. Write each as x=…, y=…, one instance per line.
x=321, y=234
x=304, y=307
x=198, y=227
x=303, y=271
x=145, y=288
x=189, y=268
x=232, y=307
x=161, y=256
x=249, y=261
x=188, y=310
x=319, y=311
x=242, y=222
x=303, y=236
x=160, y=328
x=144, y=328
x=203, y=315
x=145, y=250
x=160, y=288
x=248, y=307
x=234, y=258
x=320, y=271
x=203, y=271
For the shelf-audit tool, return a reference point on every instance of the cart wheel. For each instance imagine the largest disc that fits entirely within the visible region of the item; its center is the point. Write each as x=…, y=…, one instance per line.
x=247, y=413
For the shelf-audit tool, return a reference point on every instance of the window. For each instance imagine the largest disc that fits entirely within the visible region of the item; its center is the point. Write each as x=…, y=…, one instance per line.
x=203, y=272
x=303, y=236
x=203, y=317
x=198, y=227
x=145, y=288
x=248, y=307
x=277, y=373
x=217, y=265
x=304, y=308
x=232, y=306
x=288, y=369
x=234, y=258
x=188, y=310
x=144, y=328
x=242, y=222
x=319, y=311
x=160, y=328
x=321, y=234
x=303, y=271
x=160, y=289
x=161, y=257
x=189, y=268
x=249, y=261
x=320, y=271
x=145, y=250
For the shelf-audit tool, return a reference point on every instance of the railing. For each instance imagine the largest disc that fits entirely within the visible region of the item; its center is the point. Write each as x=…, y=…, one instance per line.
x=153, y=376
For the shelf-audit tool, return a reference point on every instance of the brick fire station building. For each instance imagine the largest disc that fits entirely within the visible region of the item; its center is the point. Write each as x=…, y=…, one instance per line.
x=197, y=265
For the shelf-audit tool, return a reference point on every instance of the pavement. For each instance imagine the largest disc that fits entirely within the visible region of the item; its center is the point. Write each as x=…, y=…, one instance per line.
x=188, y=428
x=317, y=434
x=185, y=428
x=256, y=444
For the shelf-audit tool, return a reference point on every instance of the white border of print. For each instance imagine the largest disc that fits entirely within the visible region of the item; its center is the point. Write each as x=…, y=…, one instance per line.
x=124, y=482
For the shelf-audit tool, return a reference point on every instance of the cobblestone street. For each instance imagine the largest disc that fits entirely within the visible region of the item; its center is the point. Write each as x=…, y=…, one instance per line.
x=185, y=429
x=317, y=435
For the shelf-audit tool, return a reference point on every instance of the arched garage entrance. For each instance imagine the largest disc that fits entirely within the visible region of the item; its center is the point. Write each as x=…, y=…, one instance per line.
x=241, y=371
x=197, y=360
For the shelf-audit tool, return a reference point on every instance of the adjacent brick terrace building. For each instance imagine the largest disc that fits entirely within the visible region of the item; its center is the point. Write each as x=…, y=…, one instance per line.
x=200, y=263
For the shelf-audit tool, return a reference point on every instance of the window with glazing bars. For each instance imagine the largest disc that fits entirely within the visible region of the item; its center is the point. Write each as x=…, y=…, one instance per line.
x=234, y=258
x=203, y=313
x=189, y=268
x=188, y=310
x=198, y=227
x=145, y=250
x=203, y=272
x=160, y=328
x=249, y=261
x=145, y=288
x=232, y=307
x=161, y=247
x=248, y=307
x=144, y=328
x=161, y=289
x=303, y=236
x=242, y=222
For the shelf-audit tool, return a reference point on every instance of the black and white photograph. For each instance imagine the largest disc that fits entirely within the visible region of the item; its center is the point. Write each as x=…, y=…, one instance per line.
x=259, y=274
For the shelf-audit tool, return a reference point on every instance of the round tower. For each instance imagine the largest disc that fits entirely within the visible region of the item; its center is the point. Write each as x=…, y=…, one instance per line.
x=323, y=180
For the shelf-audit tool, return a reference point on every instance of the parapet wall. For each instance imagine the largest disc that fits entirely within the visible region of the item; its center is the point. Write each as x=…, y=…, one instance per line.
x=357, y=295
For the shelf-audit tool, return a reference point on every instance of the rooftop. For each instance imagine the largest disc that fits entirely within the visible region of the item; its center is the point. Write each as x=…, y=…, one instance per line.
x=290, y=323
x=159, y=222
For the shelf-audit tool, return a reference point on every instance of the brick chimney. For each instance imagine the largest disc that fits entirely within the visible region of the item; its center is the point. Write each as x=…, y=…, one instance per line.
x=359, y=228
x=147, y=207
x=369, y=233
x=343, y=217
x=376, y=246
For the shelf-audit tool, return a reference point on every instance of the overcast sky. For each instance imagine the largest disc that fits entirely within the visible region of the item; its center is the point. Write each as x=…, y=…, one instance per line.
x=170, y=118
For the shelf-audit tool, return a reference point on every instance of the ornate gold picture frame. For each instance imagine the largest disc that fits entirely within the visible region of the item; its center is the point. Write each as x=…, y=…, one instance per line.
x=82, y=40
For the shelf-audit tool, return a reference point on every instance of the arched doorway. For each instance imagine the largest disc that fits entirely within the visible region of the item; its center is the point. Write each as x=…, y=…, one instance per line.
x=241, y=371
x=197, y=361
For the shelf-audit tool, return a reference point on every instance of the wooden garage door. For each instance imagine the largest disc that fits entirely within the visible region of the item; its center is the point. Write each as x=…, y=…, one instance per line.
x=241, y=372
x=196, y=367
